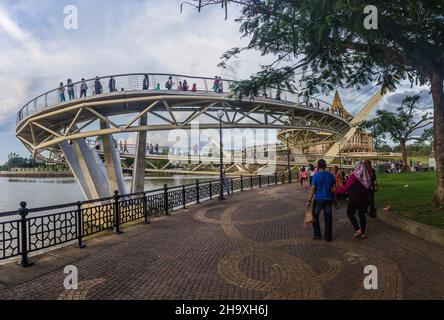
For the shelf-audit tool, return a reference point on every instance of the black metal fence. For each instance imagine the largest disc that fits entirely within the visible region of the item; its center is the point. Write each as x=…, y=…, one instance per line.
x=29, y=230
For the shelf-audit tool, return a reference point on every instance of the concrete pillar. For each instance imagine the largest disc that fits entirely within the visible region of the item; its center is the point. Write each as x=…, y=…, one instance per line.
x=138, y=181
x=87, y=168
x=298, y=154
x=113, y=165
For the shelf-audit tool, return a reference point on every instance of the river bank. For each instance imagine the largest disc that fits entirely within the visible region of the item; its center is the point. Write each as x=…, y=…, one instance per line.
x=36, y=174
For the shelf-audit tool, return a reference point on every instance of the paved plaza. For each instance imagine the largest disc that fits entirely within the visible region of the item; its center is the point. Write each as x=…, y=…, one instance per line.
x=251, y=246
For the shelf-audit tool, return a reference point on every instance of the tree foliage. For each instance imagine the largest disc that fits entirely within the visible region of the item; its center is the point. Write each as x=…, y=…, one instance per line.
x=326, y=40
x=401, y=126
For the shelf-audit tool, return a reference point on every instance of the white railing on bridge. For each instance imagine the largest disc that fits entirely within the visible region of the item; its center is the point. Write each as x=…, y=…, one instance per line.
x=157, y=82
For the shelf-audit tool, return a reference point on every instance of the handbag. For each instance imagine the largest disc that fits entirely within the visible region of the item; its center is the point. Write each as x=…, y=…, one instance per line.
x=308, y=218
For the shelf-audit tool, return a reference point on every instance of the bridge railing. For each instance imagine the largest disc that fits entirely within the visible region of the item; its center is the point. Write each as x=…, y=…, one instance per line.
x=113, y=84
x=31, y=230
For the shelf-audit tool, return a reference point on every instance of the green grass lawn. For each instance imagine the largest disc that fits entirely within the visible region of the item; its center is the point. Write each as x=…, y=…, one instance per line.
x=410, y=194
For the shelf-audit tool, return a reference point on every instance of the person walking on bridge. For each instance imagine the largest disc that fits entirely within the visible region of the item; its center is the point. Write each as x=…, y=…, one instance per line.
x=112, y=84
x=322, y=191
x=146, y=83
x=98, y=86
x=83, y=88
x=62, y=92
x=70, y=86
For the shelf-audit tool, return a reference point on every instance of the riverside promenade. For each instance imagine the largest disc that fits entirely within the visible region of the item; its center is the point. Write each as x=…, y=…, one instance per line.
x=251, y=246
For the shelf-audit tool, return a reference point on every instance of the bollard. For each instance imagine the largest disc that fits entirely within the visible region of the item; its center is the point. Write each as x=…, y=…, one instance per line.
x=232, y=186
x=165, y=197
x=81, y=245
x=211, y=190
x=251, y=182
x=197, y=192
x=117, y=212
x=275, y=178
x=145, y=209
x=260, y=181
x=242, y=183
x=24, y=261
x=268, y=180
x=184, y=200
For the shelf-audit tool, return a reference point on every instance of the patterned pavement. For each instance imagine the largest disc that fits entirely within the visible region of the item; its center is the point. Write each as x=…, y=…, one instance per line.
x=251, y=246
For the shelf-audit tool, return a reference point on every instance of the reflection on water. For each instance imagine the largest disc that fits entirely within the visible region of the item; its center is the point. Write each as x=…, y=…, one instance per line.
x=41, y=192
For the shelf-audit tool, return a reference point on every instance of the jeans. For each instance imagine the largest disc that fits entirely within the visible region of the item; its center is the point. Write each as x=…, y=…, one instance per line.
x=82, y=93
x=62, y=97
x=70, y=94
x=227, y=186
x=326, y=206
x=362, y=220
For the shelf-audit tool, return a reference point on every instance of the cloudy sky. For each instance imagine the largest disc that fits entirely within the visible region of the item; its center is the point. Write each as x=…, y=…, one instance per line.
x=115, y=37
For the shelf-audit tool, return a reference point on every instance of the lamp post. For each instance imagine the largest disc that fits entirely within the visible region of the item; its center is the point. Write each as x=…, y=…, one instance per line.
x=340, y=157
x=220, y=114
x=287, y=135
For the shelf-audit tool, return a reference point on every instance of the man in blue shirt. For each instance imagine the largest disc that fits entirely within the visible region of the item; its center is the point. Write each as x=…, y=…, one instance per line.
x=322, y=191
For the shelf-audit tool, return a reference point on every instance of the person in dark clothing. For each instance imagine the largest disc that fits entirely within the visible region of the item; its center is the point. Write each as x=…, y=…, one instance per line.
x=373, y=188
x=322, y=190
x=146, y=82
x=112, y=84
x=70, y=87
x=83, y=88
x=358, y=188
x=98, y=86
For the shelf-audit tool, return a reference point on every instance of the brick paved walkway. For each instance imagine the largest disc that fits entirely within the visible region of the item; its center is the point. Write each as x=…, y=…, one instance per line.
x=252, y=246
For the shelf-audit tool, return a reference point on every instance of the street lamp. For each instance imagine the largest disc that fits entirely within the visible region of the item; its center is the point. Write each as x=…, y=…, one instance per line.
x=220, y=114
x=287, y=135
x=340, y=157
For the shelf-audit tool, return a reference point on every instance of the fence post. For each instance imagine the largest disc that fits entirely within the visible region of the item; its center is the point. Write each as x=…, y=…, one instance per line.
x=211, y=190
x=165, y=198
x=242, y=183
x=251, y=182
x=260, y=181
x=183, y=197
x=197, y=192
x=24, y=261
x=145, y=208
x=268, y=180
x=117, y=212
x=80, y=225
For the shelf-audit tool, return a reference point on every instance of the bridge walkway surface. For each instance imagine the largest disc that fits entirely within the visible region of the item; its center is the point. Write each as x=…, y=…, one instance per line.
x=251, y=246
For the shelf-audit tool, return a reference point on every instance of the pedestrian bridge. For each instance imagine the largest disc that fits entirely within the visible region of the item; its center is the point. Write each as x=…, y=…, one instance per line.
x=48, y=123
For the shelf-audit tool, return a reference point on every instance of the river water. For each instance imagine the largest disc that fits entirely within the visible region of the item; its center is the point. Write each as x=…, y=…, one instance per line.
x=52, y=191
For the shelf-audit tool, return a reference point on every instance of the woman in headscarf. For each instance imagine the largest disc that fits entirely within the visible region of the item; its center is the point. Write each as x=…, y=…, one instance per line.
x=358, y=188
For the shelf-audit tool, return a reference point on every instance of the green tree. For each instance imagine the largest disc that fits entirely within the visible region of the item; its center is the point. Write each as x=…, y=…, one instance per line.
x=327, y=42
x=401, y=125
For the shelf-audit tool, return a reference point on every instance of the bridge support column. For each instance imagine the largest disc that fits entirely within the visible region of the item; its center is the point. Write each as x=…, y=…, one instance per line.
x=87, y=168
x=138, y=180
x=112, y=163
x=298, y=154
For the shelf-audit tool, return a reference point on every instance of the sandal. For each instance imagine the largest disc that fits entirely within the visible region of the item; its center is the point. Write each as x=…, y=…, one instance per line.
x=358, y=233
